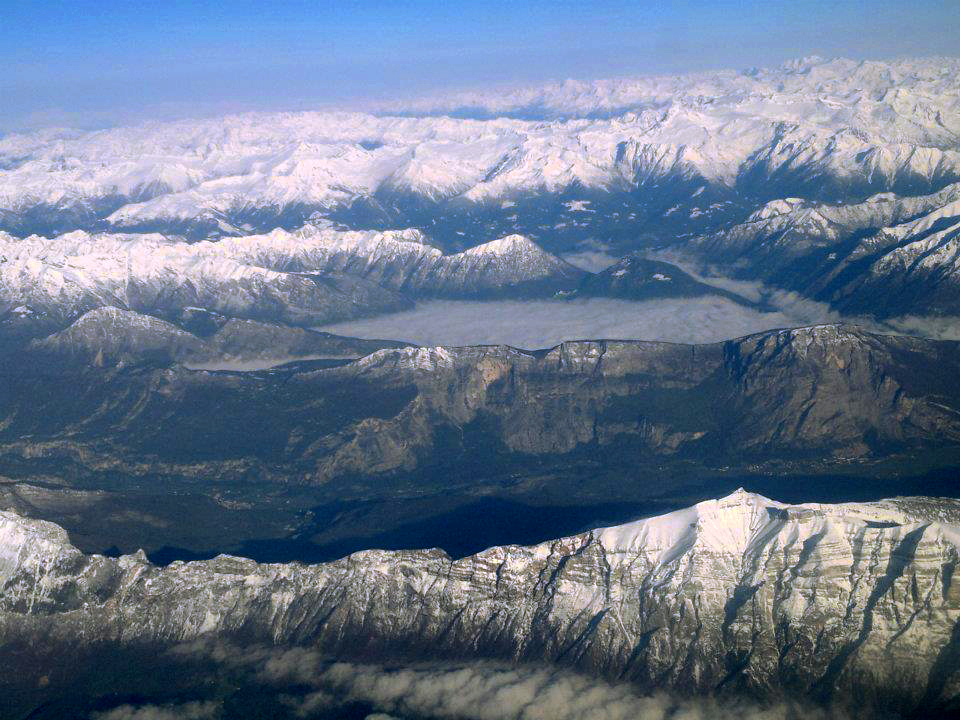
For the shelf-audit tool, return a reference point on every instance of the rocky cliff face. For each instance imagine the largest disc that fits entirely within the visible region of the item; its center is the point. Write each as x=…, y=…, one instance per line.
x=825, y=394
x=854, y=602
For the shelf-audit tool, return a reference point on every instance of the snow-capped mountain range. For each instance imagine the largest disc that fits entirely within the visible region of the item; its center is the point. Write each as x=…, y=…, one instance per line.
x=828, y=128
x=888, y=255
x=314, y=275
x=850, y=87
x=831, y=177
x=852, y=602
x=162, y=386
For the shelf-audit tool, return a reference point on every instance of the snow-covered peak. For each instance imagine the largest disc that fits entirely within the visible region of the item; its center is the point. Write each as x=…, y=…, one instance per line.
x=27, y=543
x=835, y=343
x=511, y=245
x=741, y=524
x=826, y=333
x=740, y=587
x=777, y=207
x=424, y=359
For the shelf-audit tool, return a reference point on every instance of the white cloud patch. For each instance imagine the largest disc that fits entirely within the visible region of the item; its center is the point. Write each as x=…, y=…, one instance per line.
x=488, y=692
x=941, y=328
x=591, y=255
x=259, y=363
x=590, y=260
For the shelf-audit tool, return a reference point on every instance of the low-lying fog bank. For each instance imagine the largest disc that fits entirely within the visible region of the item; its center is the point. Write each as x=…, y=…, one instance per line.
x=543, y=323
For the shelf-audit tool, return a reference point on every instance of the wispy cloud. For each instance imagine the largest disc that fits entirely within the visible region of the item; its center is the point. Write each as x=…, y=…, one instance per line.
x=592, y=260
x=182, y=711
x=941, y=328
x=310, y=685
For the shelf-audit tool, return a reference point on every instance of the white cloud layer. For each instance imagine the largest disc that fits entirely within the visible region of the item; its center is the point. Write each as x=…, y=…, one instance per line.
x=795, y=305
x=490, y=692
x=941, y=328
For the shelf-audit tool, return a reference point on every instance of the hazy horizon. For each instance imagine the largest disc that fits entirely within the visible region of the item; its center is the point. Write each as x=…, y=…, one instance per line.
x=68, y=64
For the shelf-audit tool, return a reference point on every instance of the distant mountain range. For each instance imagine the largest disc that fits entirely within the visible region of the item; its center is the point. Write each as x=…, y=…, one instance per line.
x=827, y=130
x=834, y=178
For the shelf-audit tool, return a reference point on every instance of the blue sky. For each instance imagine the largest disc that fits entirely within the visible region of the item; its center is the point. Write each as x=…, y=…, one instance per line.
x=93, y=63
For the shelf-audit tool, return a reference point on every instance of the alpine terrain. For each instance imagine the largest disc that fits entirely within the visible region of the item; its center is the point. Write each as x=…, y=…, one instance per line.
x=470, y=405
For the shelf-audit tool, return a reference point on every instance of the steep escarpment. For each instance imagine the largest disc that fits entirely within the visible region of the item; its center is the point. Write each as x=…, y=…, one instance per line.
x=848, y=602
x=829, y=386
x=822, y=394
